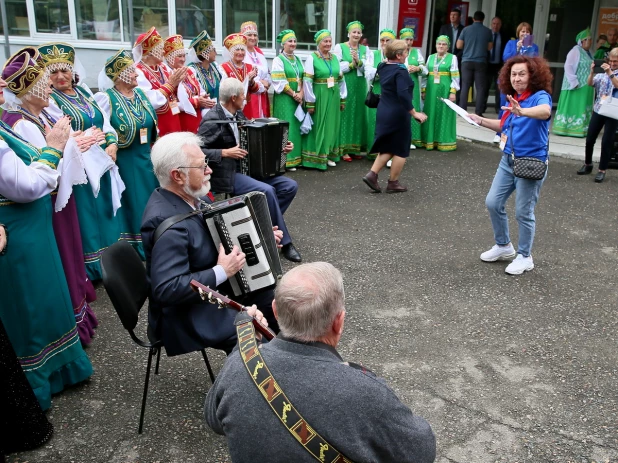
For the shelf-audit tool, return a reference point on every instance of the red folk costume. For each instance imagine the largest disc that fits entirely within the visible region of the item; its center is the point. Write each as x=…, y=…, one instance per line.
x=259, y=106
x=233, y=42
x=154, y=82
x=188, y=90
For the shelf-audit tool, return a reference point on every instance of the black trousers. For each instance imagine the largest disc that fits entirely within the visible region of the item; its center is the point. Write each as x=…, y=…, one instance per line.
x=597, y=122
x=493, y=70
x=474, y=73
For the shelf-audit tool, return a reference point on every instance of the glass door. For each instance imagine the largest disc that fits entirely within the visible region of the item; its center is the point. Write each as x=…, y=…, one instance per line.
x=564, y=20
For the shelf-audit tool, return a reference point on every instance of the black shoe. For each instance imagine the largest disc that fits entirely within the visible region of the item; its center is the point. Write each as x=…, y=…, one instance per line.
x=600, y=177
x=585, y=170
x=291, y=253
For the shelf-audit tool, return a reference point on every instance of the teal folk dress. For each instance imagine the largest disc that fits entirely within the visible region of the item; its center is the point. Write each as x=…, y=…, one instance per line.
x=35, y=305
x=97, y=223
x=209, y=79
x=135, y=122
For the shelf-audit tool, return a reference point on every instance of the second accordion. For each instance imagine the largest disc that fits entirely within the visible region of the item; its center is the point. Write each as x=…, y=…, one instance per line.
x=264, y=140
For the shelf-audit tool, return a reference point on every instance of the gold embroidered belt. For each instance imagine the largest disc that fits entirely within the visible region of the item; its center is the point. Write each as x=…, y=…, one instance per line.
x=279, y=403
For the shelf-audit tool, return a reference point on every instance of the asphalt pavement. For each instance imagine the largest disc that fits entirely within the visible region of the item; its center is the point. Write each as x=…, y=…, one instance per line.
x=505, y=368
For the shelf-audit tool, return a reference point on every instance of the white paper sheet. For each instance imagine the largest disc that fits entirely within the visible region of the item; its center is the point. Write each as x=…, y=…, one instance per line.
x=461, y=112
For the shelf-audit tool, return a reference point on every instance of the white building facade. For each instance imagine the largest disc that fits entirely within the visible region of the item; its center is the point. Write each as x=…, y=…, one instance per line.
x=98, y=28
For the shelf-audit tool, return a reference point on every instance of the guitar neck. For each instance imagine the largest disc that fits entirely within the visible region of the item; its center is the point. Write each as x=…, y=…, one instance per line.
x=214, y=297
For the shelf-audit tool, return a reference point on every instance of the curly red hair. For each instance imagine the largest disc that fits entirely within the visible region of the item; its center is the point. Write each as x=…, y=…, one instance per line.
x=540, y=75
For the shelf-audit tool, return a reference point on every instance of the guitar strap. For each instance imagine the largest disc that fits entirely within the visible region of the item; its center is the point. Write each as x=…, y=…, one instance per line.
x=277, y=400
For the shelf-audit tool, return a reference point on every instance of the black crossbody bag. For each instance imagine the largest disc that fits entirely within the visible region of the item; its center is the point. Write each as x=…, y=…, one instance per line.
x=527, y=167
x=372, y=99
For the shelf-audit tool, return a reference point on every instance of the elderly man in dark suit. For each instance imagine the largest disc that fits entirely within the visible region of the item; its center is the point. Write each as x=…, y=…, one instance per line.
x=495, y=60
x=301, y=373
x=177, y=314
x=222, y=150
x=453, y=30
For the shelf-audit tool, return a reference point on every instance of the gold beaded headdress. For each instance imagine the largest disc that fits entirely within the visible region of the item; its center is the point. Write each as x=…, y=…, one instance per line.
x=118, y=63
x=235, y=41
x=57, y=56
x=248, y=27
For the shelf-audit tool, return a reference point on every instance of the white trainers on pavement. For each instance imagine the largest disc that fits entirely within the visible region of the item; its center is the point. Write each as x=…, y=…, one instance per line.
x=498, y=253
x=389, y=163
x=412, y=146
x=497, y=139
x=520, y=265
x=330, y=163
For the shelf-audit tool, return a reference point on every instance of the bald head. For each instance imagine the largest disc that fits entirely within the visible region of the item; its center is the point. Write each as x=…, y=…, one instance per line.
x=308, y=299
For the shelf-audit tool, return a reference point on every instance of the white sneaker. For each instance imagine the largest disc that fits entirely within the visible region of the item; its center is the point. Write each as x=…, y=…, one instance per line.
x=497, y=139
x=498, y=253
x=291, y=169
x=330, y=163
x=520, y=265
x=412, y=147
x=389, y=163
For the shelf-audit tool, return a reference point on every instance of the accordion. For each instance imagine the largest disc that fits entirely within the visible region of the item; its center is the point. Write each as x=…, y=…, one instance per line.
x=264, y=140
x=244, y=221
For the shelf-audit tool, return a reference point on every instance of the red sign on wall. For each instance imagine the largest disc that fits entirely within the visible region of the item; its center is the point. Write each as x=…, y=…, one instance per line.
x=412, y=15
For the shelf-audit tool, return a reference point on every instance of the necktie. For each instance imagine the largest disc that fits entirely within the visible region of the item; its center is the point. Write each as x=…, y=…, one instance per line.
x=493, y=49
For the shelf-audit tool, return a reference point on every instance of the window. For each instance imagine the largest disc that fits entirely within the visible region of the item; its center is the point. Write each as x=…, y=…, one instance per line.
x=98, y=20
x=17, y=18
x=305, y=19
x=52, y=16
x=147, y=13
x=367, y=13
x=195, y=16
x=236, y=12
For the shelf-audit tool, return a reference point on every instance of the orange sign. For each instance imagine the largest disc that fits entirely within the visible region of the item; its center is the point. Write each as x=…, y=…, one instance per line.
x=608, y=18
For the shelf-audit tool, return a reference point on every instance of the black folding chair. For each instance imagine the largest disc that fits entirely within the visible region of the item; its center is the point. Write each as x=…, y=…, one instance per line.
x=124, y=278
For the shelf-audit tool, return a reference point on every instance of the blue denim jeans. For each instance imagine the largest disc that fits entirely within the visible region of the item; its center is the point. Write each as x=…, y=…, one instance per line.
x=526, y=198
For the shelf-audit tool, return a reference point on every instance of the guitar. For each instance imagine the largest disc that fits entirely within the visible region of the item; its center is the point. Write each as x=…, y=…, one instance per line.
x=214, y=297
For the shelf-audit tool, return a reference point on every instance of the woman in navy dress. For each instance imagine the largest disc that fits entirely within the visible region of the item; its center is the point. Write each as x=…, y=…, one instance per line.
x=393, y=129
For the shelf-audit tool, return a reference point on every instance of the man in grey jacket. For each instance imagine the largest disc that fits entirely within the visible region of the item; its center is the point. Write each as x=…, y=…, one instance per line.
x=349, y=408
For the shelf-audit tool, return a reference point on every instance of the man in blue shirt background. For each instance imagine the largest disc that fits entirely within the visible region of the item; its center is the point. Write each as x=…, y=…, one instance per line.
x=476, y=41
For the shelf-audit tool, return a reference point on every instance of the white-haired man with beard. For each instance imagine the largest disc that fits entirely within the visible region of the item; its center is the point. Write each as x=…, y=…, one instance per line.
x=186, y=252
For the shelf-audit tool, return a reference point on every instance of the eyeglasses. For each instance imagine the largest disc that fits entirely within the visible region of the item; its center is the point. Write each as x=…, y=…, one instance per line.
x=205, y=167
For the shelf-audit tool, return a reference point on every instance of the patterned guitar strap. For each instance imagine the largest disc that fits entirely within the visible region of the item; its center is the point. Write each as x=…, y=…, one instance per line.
x=277, y=400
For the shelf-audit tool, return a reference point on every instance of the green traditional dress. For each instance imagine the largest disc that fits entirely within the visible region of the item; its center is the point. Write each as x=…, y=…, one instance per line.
x=130, y=117
x=375, y=58
x=287, y=73
x=209, y=79
x=439, y=130
x=35, y=305
x=415, y=58
x=352, y=140
x=576, y=97
x=98, y=225
x=322, y=143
